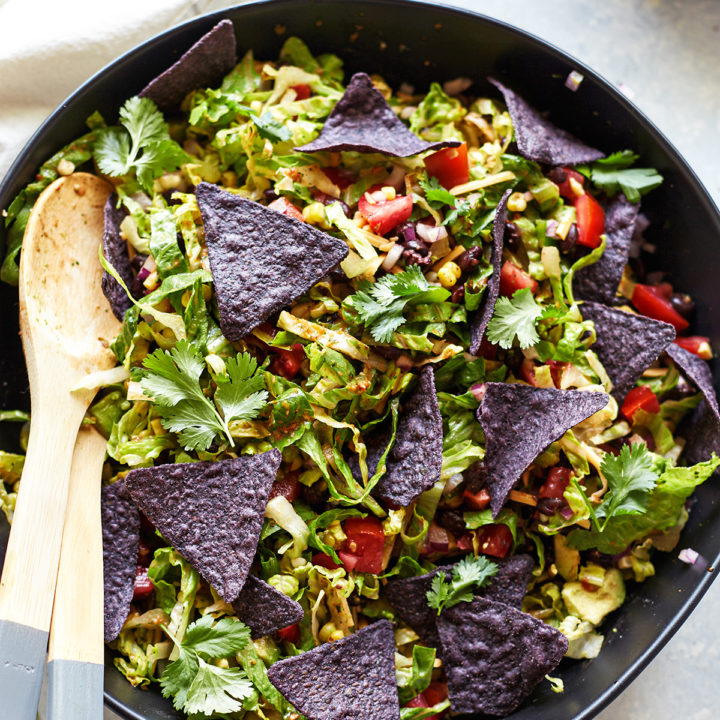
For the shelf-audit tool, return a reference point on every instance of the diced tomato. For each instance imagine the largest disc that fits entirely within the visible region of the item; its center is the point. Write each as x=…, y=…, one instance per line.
x=383, y=214
x=145, y=553
x=288, y=486
x=590, y=221
x=465, y=542
x=302, y=92
x=496, y=540
x=662, y=290
x=513, y=278
x=640, y=398
x=477, y=501
x=340, y=176
x=556, y=483
x=588, y=586
x=527, y=372
x=565, y=189
x=556, y=371
x=291, y=633
x=435, y=693
x=349, y=560
x=418, y=701
x=366, y=540
x=287, y=363
x=325, y=561
x=143, y=584
x=487, y=349
x=649, y=303
x=697, y=344
x=449, y=166
x=284, y=206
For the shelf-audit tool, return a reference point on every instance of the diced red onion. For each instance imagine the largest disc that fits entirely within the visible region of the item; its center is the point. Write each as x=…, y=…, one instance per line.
x=551, y=228
x=452, y=482
x=566, y=512
x=438, y=539
x=456, y=85
x=142, y=200
x=143, y=274
x=573, y=80
x=688, y=555
x=404, y=362
x=431, y=233
x=396, y=178
x=478, y=390
x=394, y=254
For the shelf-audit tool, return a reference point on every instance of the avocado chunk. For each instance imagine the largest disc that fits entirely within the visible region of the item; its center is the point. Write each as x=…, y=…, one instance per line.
x=593, y=606
x=567, y=559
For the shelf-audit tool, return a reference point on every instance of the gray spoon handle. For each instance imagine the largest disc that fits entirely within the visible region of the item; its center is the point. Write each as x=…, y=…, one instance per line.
x=75, y=690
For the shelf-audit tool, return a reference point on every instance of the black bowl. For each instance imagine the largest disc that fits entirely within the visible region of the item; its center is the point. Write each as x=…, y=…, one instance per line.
x=420, y=43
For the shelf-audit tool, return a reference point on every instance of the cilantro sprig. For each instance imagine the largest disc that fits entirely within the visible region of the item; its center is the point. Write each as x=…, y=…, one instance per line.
x=198, y=686
x=470, y=574
x=142, y=144
x=515, y=318
x=380, y=305
x=437, y=196
x=172, y=380
x=614, y=173
x=631, y=480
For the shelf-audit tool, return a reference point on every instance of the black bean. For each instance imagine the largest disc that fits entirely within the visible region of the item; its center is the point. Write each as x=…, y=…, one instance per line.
x=458, y=293
x=452, y=520
x=470, y=258
x=558, y=175
x=570, y=241
x=549, y=506
x=683, y=304
x=476, y=476
x=270, y=195
x=513, y=237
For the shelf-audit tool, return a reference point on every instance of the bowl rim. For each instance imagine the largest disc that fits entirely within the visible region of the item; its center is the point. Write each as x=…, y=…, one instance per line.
x=13, y=180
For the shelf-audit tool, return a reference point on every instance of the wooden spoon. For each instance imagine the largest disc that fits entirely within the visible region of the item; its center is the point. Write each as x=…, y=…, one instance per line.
x=76, y=658
x=65, y=323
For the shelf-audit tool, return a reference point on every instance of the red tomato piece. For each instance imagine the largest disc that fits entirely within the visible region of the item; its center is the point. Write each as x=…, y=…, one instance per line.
x=435, y=693
x=366, y=540
x=418, y=701
x=145, y=553
x=640, y=398
x=590, y=221
x=288, y=487
x=284, y=206
x=662, y=290
x=291, y=633
x=556, y=483
x=383, y=214
x=477, y=501
x=349, y=561
x=340, y=176
x=302, y=92
x=697, y=344
x=325, y=561
x=287, y=363
x=649, y=303
x=556, y=370
x=449, y=166
x=465, y=542
x=496, y=540
x=565, y=189
x=143, y=584
x=487, y=350
x=527, y=372
x=513, y=278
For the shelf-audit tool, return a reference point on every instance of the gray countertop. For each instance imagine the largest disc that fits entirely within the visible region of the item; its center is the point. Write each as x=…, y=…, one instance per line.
x=666, y=55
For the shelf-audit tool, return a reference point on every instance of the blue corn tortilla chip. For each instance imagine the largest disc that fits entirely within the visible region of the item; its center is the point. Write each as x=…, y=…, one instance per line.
x=261, y=260
x=409, y=595
x=627, y=344
x=116, y=253
x=538, y=139
x=213, y=56
x=345, y=680
x=519, y=422
x=481, y=317
x=494, y=655
x=414, y=463
x=702, y=429
x=363, y=121
x=264, y=609
x=210, y=512
x=121, y=538
x=599, y=281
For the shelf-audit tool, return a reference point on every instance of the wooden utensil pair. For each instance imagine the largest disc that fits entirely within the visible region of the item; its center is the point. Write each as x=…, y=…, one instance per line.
x=66, y=325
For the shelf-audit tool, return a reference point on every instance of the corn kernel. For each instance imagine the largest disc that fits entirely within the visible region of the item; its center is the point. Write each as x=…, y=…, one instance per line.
x=516, y=202
x=449, y=274
x=229, y=179
x=314, y=213
x=185, y=299
x=65, y=167
x=576, y=187
x=327, y=631
x=389, y=192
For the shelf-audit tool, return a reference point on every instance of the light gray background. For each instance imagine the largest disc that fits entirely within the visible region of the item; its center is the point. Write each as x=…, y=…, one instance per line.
x=665, y=53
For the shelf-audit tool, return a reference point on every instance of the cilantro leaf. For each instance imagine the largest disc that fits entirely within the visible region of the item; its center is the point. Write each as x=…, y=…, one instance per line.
x=468, y=575
x=435, y=192
x=142, y=144
x=217, y=690
x=195, y=685
x=172, y=380
x=631, y=479
x=515, y=318
x=244, y=396
x=269, y=128
x=380, y=305
x=613, y=173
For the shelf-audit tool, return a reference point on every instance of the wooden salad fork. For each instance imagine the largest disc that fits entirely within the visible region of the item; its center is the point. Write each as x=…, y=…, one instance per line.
x=66, y=325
